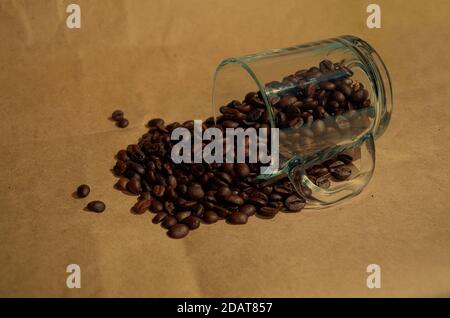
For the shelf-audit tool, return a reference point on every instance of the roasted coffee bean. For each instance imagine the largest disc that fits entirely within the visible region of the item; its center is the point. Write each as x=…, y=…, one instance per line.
x=159, y=217
x=159, y=190
x=223, y=192
x=225, y=177
x=242, y=169
x=323, y=182
x=134, y=186
x=169, y=221
x=117, y=115
x=122, y=184
x=347, y=159
x=141, y=206
x=345, y=89
x=338, y=97
x=234, y=199
x=248, y=209
x=276, y=197
x=222, y=212
x=192, y=222
x=294, y=203
x=268, y=211
x=120, y=167
x=156, y=122
x=237, y=218
x=122, y=155
x=360, y=95
x=136, y=167
x=145, y=196
x=210, y=217
x=329, y=86
x=156, y=206
x=335, y=164
x=341, y=172
x=96, y=206
x=169, y=207
x=178, y=231
x=83, y=191
x=195, y=192
x=326, y=66
x=172, y=182
x=122, y=123
x=258, y=198
x=182, y=215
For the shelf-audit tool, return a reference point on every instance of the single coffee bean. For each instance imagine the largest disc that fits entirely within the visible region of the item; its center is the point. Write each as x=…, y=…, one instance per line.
x=172, y=182
x=122, y=183
x=195, y=192
x=117, y=115
x=360, y=95
x=268, y=211
x=157, y=122
x=141, y=206
x=234, y=199
x=210, y=217
x=237, y=218
x=136, y=167
x=156, y=206
x=242, y=169
x=347, y=159
x=222, y=212
x=329, y=86
x=169, y=221
x=122, y=123
x=323, y=182
x=158, y=190
x=193, y=222
x=83, y=191
x=341, y=172
x=134, y=186
x=294, y=203
x=178, y=231
x=122, y=155
x=182, y=215
x=336, y=164
x=248, y=209
x=96, y=206
x=338, y=96
x=159, y=217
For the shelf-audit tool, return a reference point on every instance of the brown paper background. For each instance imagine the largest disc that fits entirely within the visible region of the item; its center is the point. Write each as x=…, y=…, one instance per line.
x=156, y=58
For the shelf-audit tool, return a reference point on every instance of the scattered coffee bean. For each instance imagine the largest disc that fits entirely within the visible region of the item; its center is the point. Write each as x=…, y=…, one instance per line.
x=248, y=209
x=141, y=206
x=159, y=217
x=96, y=206
x=210, y=217
x=341, y=172
x=294, y=203
x=178, y=231
x=237, y=218
x=117, y=115
x=83, y=191
x=193, y=222
x=169, y=221
x=122, y=123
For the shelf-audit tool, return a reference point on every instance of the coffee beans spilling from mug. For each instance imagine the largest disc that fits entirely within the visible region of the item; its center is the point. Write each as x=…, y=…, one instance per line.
x=184, y=196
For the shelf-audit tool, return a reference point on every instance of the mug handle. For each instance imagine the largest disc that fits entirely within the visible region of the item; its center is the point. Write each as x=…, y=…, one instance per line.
x=362, y=171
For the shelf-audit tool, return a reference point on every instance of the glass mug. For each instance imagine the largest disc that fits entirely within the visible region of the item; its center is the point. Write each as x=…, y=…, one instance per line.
x=333, y=121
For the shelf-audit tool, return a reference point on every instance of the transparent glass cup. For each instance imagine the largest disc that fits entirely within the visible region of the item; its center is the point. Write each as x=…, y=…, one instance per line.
x=326, y=119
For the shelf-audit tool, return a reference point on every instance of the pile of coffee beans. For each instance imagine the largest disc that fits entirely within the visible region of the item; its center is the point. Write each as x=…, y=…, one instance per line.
x=119, y=118
x=184, y=196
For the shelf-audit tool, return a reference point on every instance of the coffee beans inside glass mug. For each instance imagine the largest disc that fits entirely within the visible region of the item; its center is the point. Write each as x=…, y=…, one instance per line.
x=184, y=195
